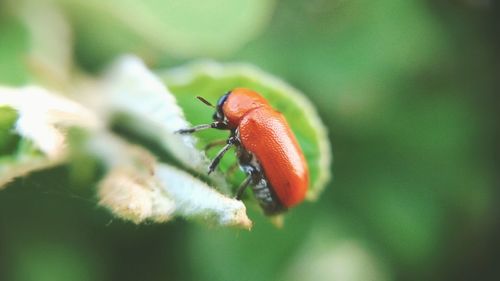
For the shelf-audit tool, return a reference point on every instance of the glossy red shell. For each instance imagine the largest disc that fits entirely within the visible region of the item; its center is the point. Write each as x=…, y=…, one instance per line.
x=265, y=133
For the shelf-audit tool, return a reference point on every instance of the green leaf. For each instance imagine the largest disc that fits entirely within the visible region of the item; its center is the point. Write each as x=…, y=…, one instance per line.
x=210, y=80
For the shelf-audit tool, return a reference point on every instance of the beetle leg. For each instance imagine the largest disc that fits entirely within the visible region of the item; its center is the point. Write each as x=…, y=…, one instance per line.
x=214, y=144
x=214, y=125
x=218, y=157
x=243, y=186
x=194, y=129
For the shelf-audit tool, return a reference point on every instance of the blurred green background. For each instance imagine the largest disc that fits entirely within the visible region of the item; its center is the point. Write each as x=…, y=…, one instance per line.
x=407, y=89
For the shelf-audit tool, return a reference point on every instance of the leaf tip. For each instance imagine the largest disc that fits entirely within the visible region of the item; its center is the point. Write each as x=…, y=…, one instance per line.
x=132, y=197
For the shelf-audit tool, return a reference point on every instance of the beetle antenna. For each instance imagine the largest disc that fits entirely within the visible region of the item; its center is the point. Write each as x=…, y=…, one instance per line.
x=203, y=100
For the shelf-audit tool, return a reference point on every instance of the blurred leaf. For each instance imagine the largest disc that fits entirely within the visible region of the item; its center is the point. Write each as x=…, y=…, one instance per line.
x=183, y=28
x=211, y=80
x=51, y=46
x=223, y=254
x=18, y=155
x=14, y=46
x=8, y=140
x=347, y=54
x=41, y=119
x=409, y=223
x=332, y=251
x=57, y=261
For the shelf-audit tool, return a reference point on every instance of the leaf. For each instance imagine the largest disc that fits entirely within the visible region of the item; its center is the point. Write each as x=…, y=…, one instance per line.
x=37, y=132
x=210, y=80
x=133, y=91
x=139, y=189
x=105, y=29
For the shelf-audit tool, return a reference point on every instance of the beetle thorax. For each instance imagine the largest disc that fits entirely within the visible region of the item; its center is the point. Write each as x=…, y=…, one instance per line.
x=239, y=103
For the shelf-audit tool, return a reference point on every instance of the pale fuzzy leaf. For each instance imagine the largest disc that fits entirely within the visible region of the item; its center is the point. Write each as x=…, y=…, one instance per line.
x=130, y=88
x=196, y=199
x=42, y=118
x=42, y=114
x=139, y=189
x=135, y=196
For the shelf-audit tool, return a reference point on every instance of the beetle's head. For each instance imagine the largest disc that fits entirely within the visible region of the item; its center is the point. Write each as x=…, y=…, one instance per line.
x=219, y=113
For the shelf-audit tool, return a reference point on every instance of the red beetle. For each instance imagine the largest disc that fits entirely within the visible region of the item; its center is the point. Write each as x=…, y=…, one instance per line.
x=266, y=148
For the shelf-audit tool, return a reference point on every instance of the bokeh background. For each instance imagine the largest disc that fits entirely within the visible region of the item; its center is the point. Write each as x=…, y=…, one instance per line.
x=408, y=91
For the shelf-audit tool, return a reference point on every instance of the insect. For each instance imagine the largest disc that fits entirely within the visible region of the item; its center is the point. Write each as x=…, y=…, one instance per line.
x=266, y=148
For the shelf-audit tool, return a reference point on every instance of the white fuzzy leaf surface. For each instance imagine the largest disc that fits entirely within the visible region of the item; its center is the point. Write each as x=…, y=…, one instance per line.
x=130, y=88
x=42, y=119
x=139, y=189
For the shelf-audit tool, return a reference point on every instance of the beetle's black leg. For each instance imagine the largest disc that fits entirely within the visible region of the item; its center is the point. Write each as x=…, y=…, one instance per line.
x=242, y=187
x=214, y=144
x=214, y=125
x=194, y=129
x=230, y=142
